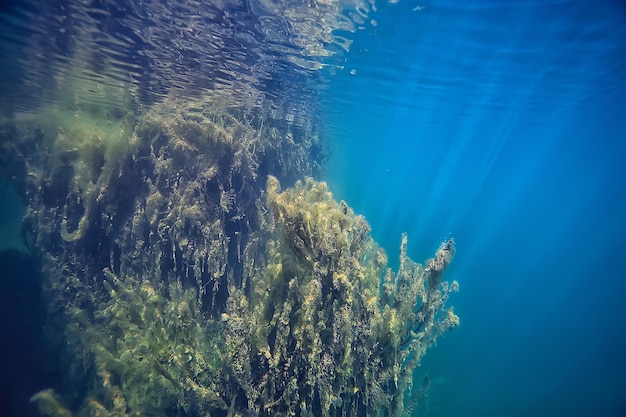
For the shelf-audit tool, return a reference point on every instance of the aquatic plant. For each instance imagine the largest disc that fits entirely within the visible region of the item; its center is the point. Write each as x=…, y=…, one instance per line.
x=197, y=287
x=153, y=350
x=311, y=332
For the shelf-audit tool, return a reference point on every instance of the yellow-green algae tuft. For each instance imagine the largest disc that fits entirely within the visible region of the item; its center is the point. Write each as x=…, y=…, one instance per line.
x=181, y=280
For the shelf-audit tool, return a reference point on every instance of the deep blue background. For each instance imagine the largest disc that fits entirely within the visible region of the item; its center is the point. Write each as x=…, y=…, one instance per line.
x=503, y=124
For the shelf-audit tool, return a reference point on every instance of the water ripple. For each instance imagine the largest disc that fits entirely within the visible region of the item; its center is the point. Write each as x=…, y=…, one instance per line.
x=144, y=51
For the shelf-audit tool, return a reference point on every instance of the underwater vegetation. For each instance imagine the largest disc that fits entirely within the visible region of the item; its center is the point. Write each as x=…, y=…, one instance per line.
x=181, y=280
x=312, y=333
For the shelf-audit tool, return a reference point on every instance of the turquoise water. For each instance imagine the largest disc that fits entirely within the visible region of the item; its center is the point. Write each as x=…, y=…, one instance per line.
x=499, y=123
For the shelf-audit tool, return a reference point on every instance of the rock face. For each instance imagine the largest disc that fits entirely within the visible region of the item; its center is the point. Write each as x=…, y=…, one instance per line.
x=180, y=280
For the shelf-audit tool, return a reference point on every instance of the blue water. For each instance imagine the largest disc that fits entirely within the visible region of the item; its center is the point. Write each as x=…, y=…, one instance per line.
x=500, y=123
x=503, y=124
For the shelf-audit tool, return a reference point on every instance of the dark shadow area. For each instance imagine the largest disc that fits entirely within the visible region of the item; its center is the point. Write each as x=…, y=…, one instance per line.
x=24, y=367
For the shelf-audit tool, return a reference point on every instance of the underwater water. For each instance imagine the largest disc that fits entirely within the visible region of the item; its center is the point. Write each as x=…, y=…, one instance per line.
x=500, y=124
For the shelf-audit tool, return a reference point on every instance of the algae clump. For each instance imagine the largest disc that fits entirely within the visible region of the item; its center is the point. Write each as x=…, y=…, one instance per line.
x=313, y=333
x=207, y=290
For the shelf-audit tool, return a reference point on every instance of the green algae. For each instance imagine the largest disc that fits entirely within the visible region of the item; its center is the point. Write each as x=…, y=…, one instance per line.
x=180, y=280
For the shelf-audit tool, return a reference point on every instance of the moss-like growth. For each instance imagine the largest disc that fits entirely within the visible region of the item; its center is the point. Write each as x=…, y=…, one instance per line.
x=49, y=404
x=197, y=287
x=314, y=333
x=152, y=349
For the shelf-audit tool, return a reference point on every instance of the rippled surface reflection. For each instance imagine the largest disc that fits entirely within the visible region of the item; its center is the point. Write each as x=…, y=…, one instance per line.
x=240, y=52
